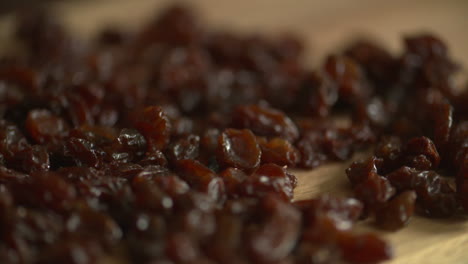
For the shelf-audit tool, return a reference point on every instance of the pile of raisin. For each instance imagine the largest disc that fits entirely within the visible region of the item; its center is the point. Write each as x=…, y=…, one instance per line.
x=420, y=160
x=173, y=144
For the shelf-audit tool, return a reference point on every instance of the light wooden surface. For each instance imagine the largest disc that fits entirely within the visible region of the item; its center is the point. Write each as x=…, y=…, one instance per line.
x=324, y=25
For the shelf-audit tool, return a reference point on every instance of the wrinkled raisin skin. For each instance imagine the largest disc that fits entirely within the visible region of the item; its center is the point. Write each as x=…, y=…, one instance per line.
x=265, y=121
x=155, y=126
x=238, y=148
x=172, y=144
x=396, y=213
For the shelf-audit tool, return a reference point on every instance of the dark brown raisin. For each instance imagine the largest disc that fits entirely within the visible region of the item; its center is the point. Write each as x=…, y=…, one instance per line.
x=361, y=171
x=201, y=178
x=269, y=178
x=365, y=248
x=396, y=213
x=233, y=178
x=184, y=148
x=238, y=148
x=422, y=146
x=155, y=126
x=43, y=126
x=278, y=233
x=374, y=190
x=318, y=95
x=343, y=211
x=435, y=196
x=279, y=151
x=348, y=77
x=265, y=121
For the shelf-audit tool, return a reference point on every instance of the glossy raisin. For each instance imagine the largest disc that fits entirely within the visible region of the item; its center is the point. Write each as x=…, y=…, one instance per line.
x=423, y=146
x=374, y=190
x=269, y=178
x=396, y=213
x=238, y=148
x=155, y=126
x=184, y=148
x=279, y=151
x=202, y=178
x=173, y=144
x=361, y=171
x=265, y=121
x=43, y=126
x=270, y=243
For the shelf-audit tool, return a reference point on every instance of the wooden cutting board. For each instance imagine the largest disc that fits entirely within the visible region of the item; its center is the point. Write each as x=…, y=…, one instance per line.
x=325, y=26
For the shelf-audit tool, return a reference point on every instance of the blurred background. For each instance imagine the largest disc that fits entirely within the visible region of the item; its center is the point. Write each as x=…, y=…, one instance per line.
x=324, y=25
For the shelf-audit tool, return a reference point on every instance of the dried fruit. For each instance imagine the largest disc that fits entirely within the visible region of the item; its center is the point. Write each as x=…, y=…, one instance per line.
x=155, y=126
x=279, y=151
x=269, y=178
x=396, y=213
x=172, y=144
x=43, y=126
x=265, y=121
x=238, y=148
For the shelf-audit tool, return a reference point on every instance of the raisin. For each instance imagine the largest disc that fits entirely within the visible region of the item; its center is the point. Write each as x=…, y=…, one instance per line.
x=337, y=145
x=84, y=152
x=88, y=223
x=318, y=95
x=278, y=235
x=361, y=171
x=376, y=61
x=112, y=36
x=155, y=157
x=426, y=45
x=6, y=200
x=47, y=190
x=238, y=148
x=311, y=151
x=30, y=160
x=129, y=145
x=435, y=196
x=185, y=148
x=172, y=144
x=423, y=146
x=182, y=75
x=43, y=126
x=233, y=178
x=348, y=77
x=457, y=148
x=172, y=185
x=443, y=118
x=78, y=111
x=73, y=251
x=374, y=190
x=181, y=248
x=177, y=25
x=396, y=213
x=265, y=121
x=365, y=248
x=389, y=150
x=343, y=211
x=269, y=178
x=227, y=239
x=155, y=126
x=201, y=178
x=151, y=198
x=279, y=151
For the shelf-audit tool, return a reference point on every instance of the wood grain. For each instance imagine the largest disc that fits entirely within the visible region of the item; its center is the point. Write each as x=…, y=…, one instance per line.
x=325, y=25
